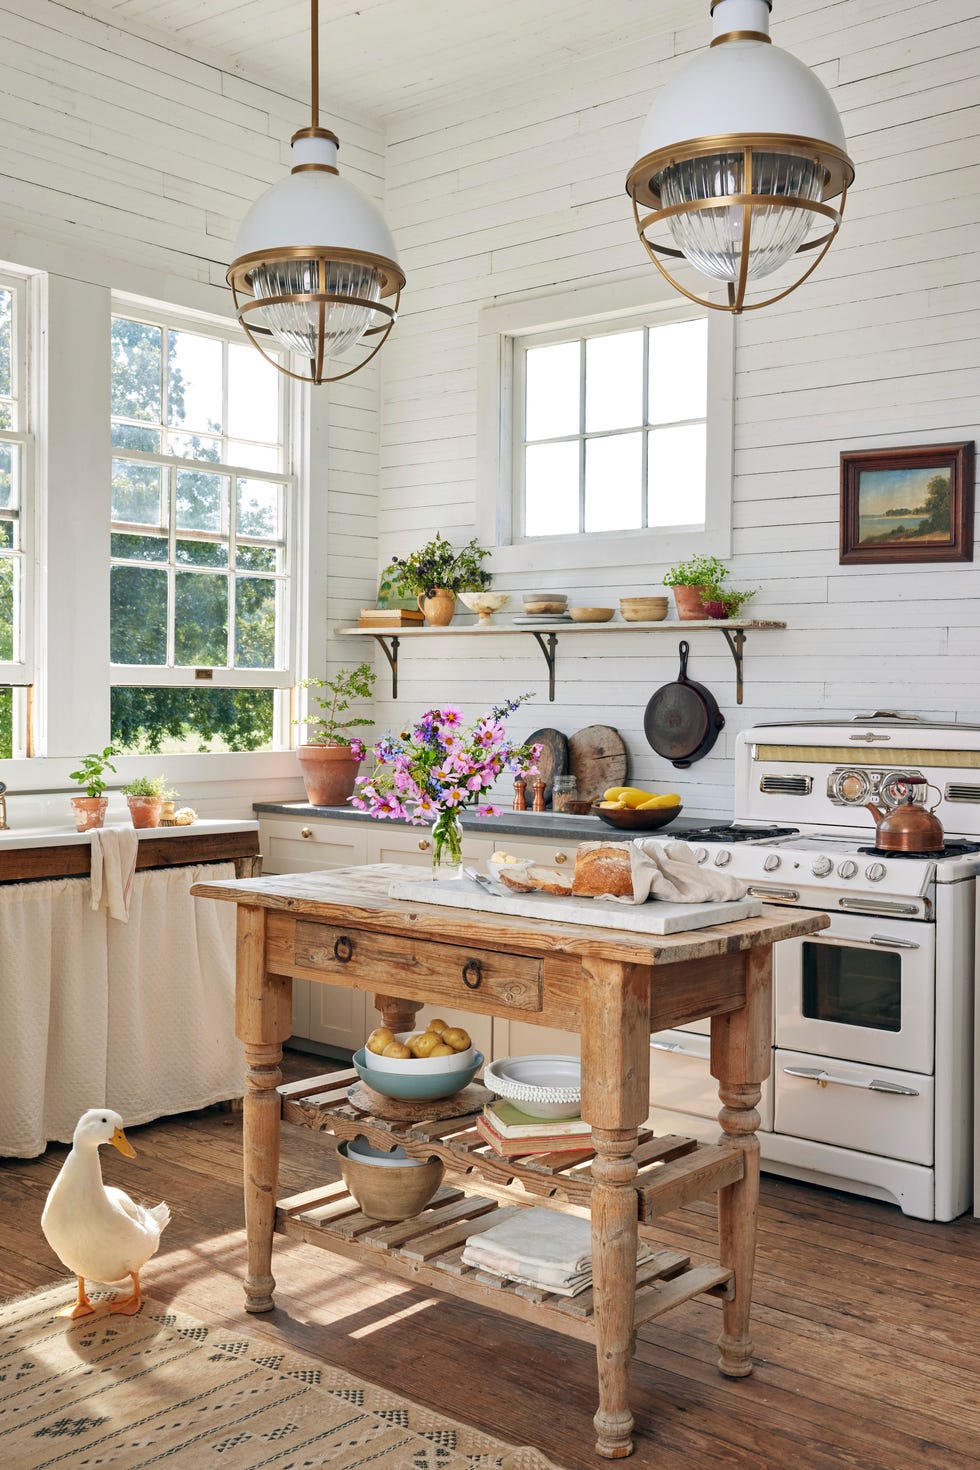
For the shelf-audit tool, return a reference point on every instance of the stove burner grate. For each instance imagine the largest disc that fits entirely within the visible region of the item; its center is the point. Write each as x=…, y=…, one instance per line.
x=951, y=850
x=736, y=833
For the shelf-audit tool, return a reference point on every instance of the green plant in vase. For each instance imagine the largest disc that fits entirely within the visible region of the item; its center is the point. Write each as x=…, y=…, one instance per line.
x=435, y=574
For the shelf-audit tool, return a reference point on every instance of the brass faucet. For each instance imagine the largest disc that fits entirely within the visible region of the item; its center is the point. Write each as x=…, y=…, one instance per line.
x=3, y=808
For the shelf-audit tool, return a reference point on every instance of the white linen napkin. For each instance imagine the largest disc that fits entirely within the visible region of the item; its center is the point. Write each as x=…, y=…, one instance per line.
x=114, y=852
x=669, y=870
x=539, y=1247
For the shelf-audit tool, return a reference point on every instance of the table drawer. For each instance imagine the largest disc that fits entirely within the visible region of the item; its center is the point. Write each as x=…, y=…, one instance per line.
x=471, y=978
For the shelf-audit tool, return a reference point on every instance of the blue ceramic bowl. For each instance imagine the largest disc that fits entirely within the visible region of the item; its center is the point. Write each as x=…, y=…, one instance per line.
x=420, y=1087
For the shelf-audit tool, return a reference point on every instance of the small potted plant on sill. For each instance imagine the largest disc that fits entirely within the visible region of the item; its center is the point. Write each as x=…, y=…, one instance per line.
x=146, y=796
x=329, y=757
x=90, y=809
x=434, y=575
x=721, y=605
x=694, y=582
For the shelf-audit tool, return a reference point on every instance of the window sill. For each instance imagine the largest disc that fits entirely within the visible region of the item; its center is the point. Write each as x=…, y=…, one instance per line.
x=615, y=550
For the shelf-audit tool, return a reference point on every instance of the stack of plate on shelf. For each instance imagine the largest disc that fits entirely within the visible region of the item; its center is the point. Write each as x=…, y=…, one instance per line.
x=543, y=607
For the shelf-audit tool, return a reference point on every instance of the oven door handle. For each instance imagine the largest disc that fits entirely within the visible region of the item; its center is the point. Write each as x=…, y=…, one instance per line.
x=822, y=1078
x=889, y=943
x=772, y=890
x=878, y=906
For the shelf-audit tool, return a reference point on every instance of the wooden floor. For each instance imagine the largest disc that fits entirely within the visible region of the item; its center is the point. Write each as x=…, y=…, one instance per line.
x=867, y=1324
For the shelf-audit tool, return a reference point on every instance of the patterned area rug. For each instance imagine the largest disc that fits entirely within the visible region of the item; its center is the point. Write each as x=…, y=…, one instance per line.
x=122, y=1393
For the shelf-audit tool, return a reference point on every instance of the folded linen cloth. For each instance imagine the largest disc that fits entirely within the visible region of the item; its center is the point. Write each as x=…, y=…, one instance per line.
x=539, y=1248
x=670, y=871
x=114, y=852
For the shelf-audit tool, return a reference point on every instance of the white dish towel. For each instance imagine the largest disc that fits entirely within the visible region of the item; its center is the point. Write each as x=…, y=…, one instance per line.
x=539, y=1247
x=669, y=870
x=114, y=852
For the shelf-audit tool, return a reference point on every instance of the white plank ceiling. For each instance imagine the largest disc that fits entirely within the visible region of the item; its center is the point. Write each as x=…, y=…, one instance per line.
x=384, y=56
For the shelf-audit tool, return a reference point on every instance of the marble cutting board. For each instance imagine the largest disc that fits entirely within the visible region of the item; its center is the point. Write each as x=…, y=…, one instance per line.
x=653, y=917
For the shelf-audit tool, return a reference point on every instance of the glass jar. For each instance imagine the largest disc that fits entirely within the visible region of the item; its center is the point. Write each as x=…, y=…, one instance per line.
x=563, y=790
x=447, y=845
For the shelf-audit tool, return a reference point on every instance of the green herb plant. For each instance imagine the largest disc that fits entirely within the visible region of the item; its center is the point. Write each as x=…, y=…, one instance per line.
x=89, y=773
x=700, y=571
x=154, y=787
x=324, y=725
x=436, y=564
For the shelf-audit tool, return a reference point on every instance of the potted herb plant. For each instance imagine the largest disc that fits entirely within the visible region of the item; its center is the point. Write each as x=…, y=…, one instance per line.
x=694, y=582
x=434, y=575
x=329, y=757
x=720, y=604
x=146, y=796
x=90, y=809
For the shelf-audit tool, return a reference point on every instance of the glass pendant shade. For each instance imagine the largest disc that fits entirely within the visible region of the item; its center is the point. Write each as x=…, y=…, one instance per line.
x=295, y=324
x=740, y=155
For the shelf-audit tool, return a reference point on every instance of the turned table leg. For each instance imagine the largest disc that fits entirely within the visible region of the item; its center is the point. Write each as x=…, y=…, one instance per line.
x=262, y=1022
x=615, y=1088
x=397, y=1014
x=741, y=1055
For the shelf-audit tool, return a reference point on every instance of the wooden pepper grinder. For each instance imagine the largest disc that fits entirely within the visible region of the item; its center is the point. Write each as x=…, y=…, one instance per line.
x=538, y=803
x=520, y=802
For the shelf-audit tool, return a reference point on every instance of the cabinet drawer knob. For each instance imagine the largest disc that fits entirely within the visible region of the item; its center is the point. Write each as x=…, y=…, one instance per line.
x=561, y=857
x=473, y=974
x=306, y=832
x=343, y=949
x=424, y=844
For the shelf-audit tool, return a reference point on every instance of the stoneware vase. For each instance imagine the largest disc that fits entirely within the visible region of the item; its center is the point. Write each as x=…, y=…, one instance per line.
x=689, y=604
x=89, y=812
x=328, y=773
x=144, y=811
x=439, y=608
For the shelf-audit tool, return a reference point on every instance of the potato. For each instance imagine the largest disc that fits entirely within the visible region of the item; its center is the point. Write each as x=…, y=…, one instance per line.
x=380, y=1038
x=438, y=1025
x=441, y=1050
x=457, y=1038
x=397, y=1049
x=422, y=1045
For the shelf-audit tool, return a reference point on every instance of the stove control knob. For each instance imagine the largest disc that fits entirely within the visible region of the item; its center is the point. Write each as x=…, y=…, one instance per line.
x=847, y=869
x=772, y=862
x=875, y=872
x=821, y=866
x=701, y=853
x=723, y=858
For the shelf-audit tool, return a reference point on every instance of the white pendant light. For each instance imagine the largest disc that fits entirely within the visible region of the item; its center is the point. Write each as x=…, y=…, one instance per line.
x=314, y=261
x=739, y=156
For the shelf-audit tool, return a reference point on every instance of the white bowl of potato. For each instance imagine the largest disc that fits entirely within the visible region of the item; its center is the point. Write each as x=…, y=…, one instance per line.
x=429, y=1059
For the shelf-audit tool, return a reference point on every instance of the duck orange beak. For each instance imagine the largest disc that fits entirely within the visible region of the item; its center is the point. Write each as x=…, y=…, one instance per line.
x=122, y=1143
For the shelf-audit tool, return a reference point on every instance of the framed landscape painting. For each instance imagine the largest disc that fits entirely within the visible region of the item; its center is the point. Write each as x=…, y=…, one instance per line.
x=907, y=505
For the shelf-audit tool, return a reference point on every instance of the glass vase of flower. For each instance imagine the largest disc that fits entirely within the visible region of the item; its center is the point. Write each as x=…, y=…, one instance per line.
x=433, y=771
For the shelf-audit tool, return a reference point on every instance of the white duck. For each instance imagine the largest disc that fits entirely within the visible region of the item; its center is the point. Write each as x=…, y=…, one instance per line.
x=98, y=1231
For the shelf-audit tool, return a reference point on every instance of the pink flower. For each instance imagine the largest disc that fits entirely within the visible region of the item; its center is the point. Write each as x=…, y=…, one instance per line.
x=454, y=796
x=488, y=811
x=357, y=750
x=450, y=715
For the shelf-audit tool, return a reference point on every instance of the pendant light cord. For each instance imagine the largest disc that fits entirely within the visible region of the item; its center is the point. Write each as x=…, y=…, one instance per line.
x=315, y=59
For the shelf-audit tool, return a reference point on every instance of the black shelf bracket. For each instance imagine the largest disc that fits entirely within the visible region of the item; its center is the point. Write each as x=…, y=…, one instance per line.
x=736, y=642
x=550, y=655
x=391, y=654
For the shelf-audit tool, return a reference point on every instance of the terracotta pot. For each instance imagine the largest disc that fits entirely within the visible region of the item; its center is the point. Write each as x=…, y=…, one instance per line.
x=144, y=811
x=89, y=812
x=328, y=773
x=439, y=608
x=689, y=604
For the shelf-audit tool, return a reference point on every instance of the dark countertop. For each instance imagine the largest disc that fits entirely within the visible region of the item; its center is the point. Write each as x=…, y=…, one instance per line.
x=510, y=823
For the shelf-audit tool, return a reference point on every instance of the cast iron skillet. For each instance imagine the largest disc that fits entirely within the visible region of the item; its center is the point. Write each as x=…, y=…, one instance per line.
x=682, y=720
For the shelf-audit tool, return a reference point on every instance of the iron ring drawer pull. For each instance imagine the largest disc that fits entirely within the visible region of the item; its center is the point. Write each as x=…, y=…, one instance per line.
x=343, y=949
x=473, y=974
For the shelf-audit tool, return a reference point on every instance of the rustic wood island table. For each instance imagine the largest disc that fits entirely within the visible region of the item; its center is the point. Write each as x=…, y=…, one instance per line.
x=614, y=987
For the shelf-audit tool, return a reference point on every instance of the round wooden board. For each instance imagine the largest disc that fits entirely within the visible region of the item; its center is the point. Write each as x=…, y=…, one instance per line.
x=552, y=762
x=406, y=1110
x=598, y=759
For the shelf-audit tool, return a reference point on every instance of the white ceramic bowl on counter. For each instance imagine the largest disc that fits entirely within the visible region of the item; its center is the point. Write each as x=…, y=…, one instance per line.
x=544, y=1086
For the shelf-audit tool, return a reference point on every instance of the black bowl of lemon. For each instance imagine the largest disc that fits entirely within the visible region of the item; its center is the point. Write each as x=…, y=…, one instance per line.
x=633, y=810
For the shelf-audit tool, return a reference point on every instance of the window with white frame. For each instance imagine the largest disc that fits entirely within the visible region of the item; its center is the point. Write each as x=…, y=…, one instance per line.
x=611, y=428
x=202, y=506
x=15, y=503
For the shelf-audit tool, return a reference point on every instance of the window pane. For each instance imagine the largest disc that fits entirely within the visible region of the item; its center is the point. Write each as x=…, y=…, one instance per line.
x=201, y=620
x=137, y=360
x=139, y=548
x=678, y=372
x=6, y=414
x=258, y=558
x=202, y=501
x=613, y=489
x=194, y=446
x=171, y=720
x=551, y=489
x=8, y=532
x=259, y=506
x=6, y=343
x=8, y=602
x=6, y=724
x=552, y=391
x=137, y=494
x=253, y=396
x=194, y=382
x=614, y=382
x=202, y=553
x=254, y=456
x=9, y=476
x=676, y=477
x=255, y=623
x=132, y=436
x=138, y=601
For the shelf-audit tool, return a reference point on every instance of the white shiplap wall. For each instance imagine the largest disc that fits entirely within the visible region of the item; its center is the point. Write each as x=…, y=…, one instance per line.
x=520, y=192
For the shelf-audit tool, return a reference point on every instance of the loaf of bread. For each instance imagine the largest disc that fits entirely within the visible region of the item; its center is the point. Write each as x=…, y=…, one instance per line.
x=534, y=879
x=602, y=868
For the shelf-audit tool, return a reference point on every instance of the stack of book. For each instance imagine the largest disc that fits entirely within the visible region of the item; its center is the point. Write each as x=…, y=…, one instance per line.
x=390, y=617
x=509, y=1131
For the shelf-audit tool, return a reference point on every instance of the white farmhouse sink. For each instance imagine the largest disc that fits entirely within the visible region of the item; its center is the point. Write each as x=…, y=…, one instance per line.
x=52, y=835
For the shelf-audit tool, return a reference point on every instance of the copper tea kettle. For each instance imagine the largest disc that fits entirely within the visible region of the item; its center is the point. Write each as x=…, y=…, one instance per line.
x=908, y=827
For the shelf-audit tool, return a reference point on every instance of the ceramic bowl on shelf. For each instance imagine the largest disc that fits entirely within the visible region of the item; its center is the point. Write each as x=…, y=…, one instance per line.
x=393, y=1158
x=420, y=1066
x=417, y=1086
x=544, y=602
x=591, y=614
x=484, y=604
x=632, y=820
x=545, y=1086
x=643, y=609
x=395, y=1193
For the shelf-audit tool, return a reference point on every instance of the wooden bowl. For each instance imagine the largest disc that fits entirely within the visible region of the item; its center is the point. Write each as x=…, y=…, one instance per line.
x=631, y=820
x=643, y=609
x=389, y=1193
x=591, y=614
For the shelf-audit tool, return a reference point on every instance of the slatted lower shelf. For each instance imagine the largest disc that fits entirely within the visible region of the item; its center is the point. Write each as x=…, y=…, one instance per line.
x=427, y=1250
x=672, y=1171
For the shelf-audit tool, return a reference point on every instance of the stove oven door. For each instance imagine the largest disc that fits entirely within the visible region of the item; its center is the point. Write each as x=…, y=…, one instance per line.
x=862, y=990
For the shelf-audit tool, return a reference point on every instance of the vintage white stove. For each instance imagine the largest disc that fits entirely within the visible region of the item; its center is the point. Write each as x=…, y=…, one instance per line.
x=871, y=1088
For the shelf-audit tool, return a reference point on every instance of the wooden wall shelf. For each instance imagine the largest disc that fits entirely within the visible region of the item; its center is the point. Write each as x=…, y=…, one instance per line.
x=547, y=634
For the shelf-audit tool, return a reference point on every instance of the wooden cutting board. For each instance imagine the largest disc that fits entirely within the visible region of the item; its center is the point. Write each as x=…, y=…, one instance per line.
x=552, y=762
x=598, y=759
